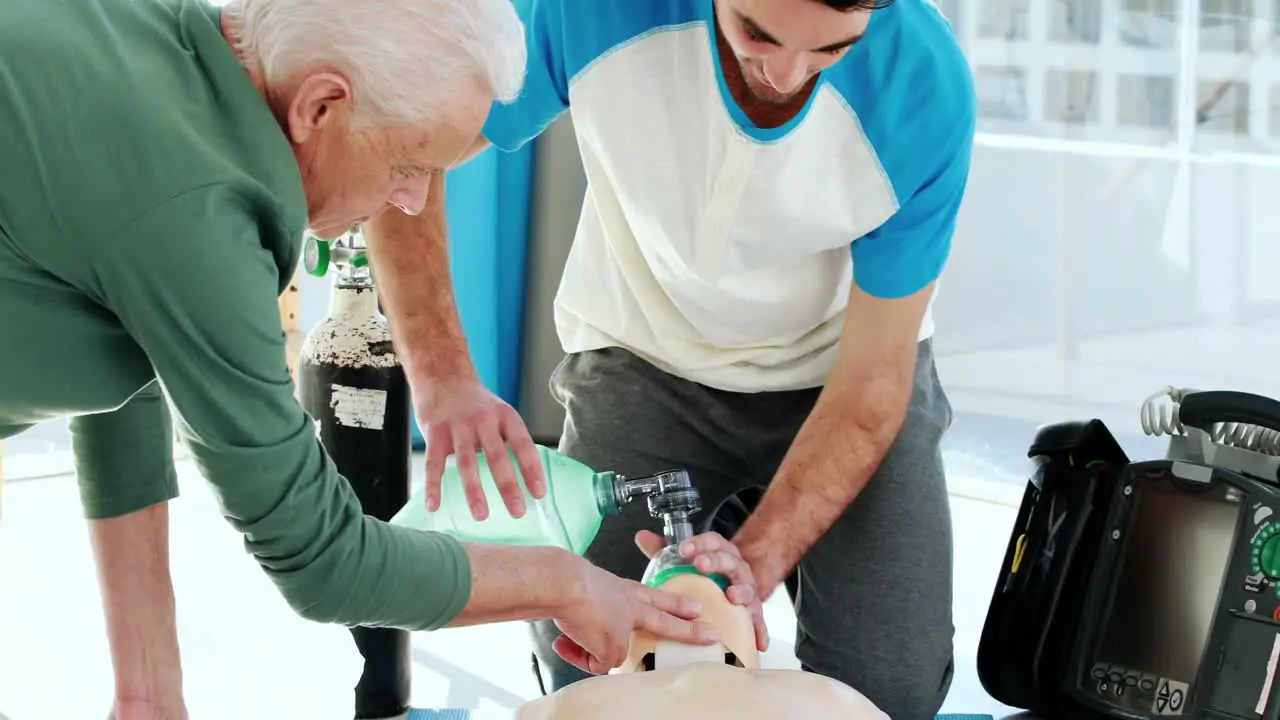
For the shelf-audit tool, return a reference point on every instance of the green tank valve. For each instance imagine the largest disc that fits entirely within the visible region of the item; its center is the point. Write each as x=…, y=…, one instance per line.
x=319, y=256
x=315, y=256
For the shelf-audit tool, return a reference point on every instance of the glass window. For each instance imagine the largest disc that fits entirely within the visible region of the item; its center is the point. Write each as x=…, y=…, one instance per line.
x=1119, y=230
x=1075, y=21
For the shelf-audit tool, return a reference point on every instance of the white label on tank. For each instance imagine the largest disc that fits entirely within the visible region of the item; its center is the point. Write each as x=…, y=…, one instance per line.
x=358, y=407
x=1271, y=676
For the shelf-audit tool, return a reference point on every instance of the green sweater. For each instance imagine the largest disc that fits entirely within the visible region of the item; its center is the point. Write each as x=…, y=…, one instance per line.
x=151, y=212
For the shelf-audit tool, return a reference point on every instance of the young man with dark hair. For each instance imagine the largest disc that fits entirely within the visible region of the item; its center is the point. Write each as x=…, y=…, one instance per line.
x=773, y=189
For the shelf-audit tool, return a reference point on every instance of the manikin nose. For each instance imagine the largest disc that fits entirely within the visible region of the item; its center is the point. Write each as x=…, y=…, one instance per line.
x=784, y=72
x=411, y=199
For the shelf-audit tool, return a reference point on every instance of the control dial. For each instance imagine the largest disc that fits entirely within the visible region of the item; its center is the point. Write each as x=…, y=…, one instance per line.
x=1265, y=556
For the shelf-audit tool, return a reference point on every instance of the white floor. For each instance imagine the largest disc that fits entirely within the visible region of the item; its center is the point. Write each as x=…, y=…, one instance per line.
x=246, y=656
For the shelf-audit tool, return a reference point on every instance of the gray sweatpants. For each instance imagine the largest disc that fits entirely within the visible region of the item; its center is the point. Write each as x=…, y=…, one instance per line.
x=872, y=598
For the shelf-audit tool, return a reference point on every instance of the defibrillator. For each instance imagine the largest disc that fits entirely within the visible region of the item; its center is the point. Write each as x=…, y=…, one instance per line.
x=1145, y=589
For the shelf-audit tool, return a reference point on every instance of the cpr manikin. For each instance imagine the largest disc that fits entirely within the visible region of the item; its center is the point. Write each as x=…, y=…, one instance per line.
x=723, y=681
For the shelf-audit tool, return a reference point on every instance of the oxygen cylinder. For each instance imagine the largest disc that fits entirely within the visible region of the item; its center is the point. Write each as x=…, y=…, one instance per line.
x=352, y=384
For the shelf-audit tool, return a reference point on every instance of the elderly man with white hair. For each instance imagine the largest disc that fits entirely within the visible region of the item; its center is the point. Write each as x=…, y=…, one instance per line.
x=159, y=163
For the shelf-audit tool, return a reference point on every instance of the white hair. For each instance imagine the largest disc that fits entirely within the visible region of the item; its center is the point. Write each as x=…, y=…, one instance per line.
x=406, y=59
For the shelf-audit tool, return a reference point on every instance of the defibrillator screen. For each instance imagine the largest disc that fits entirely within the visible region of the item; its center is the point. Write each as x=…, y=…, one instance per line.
x=1174, y=559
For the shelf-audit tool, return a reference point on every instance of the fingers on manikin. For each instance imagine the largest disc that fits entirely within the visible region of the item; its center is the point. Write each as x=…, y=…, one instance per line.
x=585, y=660
x=572, y=653
x=746, y=597
x=662, y=602
x=517, y=435
x=729, y=564
x=762, y=631
x=705, y=544
x=650, y=542
x=502, y=469
x=465, y=453
x=742, y=594
x=673, y=627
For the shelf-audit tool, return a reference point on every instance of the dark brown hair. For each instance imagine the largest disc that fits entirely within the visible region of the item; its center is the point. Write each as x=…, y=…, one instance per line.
x=850, y=5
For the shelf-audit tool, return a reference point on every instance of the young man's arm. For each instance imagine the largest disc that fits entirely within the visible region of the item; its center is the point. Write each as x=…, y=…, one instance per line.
x=863, y=405
x=410, y=258
x=844, y=439
x=410, y=255
x=457, y=413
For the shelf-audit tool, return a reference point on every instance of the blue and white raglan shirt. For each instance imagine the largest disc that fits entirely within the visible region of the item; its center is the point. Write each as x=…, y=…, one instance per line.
x=723, y=252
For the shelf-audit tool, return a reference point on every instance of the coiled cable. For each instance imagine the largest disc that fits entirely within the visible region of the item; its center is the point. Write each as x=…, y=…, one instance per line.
x=1159, y=416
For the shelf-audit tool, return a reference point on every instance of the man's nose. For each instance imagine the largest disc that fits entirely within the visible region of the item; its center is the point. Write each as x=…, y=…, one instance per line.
x=784, y=71
x=411, y=198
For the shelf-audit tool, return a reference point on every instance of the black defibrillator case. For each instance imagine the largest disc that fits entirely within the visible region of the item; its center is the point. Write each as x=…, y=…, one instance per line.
x=1144, y=589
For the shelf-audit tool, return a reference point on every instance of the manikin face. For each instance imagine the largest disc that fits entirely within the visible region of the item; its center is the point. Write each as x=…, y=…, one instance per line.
x=782, y=44
x=352, y=170
x=728, y=684
x=737, y=644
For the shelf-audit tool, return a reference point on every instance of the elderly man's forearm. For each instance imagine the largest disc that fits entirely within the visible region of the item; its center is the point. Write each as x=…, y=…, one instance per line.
x=366, y=572
x=520, y=583
x=354, y=570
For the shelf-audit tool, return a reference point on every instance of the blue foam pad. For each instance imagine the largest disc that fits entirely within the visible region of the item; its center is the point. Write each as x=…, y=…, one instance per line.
x=466, y=715
x=418, y=714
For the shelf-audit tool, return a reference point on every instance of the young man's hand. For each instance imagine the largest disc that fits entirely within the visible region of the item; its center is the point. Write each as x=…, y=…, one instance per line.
x=597, y=629
x=462, y=418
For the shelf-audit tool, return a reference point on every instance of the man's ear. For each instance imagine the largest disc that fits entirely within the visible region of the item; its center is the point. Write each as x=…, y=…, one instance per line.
x=316, y=101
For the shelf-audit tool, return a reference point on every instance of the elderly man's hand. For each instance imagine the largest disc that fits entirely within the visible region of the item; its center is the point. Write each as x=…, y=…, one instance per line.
x=597, y=627
x=713, y=554
x=462, y=418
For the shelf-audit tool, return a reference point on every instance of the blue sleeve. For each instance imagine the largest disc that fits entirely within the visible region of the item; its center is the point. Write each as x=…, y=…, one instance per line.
x=919, y=106
x=563, y=38
x=546, y=85
x=909, y=251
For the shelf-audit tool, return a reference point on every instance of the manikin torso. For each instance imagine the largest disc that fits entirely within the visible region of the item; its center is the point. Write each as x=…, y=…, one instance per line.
x=724, y=682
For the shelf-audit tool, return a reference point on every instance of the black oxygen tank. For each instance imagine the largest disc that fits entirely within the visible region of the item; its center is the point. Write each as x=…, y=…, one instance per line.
x=352, y=383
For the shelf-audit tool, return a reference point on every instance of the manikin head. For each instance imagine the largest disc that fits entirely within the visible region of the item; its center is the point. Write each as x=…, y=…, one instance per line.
x=726, y=684
x=782, y=44
x=737, y=644
x=377, y=96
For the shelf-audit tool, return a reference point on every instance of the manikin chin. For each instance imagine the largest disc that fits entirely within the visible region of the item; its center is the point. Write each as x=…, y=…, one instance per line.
x=723, y=681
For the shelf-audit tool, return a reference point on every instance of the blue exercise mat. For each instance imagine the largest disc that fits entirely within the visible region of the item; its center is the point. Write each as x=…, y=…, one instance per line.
x=466, y=715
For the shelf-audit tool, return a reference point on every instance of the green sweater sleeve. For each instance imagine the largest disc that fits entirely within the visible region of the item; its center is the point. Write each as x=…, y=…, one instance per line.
x=195, y=285
x=124, y=458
